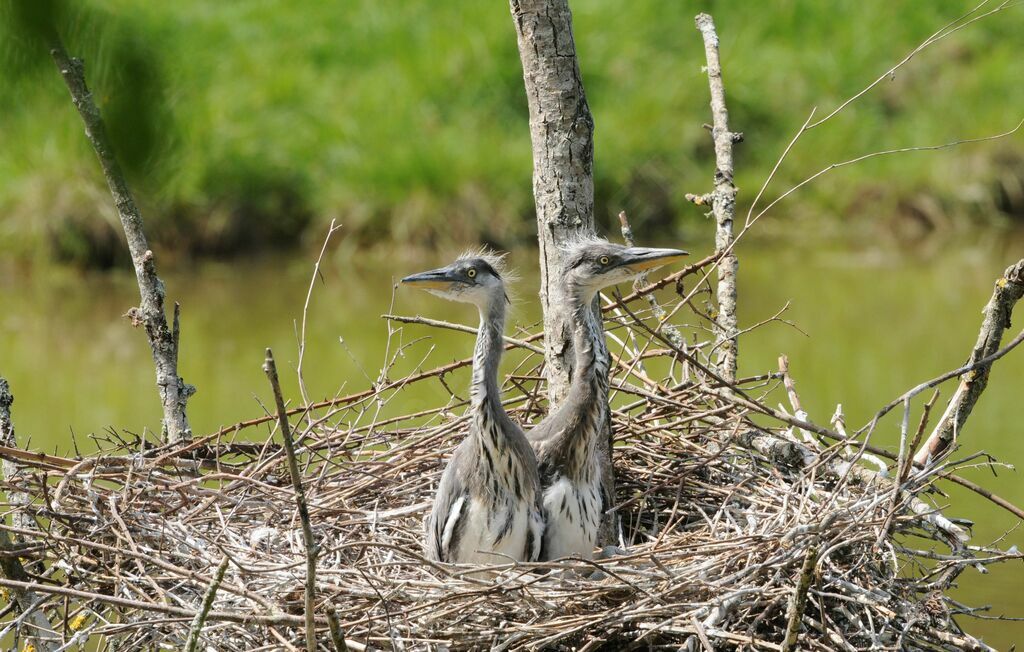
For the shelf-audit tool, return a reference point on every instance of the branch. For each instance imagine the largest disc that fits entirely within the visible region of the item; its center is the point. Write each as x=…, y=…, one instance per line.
x=163, y=342
x=305, y=311
x=462, y=328
x=300, y=500
x=641, y=281
x=192, y=643
x=337, y=633
x=798, y=601
x=946, y=30
x=1009, y=288
x=723, y=205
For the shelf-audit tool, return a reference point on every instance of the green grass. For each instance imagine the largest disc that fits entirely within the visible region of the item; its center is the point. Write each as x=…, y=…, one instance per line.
x=249, y=123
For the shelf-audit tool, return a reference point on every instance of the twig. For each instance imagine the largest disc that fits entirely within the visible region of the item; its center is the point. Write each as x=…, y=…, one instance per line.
x=863, y=157
x=300, y=500
x=1009, y=288
x=670, y=330
x=462, y=328
x=959, y=371
x=243, y=617
x=337, y=633
x=197, y=623
x=163, y=341
x=798, y=601
x=723, y=204
x=985, y=493
x=946, y=30
x=305, y=312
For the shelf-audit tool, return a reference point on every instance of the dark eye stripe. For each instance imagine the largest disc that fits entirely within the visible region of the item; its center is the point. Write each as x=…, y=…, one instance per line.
x=486, y=266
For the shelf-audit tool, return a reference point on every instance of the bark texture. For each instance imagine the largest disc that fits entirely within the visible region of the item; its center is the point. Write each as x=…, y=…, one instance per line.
x=1009, y=289
x=16, y=498
x=163, y=341
x=41, y=632
x=562, y=135
x=723, y=205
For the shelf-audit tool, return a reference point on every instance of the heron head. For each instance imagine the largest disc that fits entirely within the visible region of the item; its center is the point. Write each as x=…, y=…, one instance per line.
x=473, y=278
x=594, y=264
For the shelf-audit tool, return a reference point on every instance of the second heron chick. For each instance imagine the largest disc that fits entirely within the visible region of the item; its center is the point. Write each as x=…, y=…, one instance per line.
x=566, y=440
x=487, y=508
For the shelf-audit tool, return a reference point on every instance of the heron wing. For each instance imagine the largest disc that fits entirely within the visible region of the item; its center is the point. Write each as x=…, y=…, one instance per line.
x=447, y=520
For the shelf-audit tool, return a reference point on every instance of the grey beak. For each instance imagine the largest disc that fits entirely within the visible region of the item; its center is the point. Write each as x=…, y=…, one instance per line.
x=435, y=279
x=645, y=258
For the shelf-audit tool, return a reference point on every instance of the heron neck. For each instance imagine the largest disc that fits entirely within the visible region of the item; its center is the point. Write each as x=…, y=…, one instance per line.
x=590, y=351
x=485, y=393
x=583, y=411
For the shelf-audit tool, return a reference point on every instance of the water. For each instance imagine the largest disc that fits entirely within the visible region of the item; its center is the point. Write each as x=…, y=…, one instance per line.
x=877, y=322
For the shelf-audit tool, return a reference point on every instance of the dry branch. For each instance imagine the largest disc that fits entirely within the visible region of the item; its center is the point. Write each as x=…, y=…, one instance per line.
x=300, y=501
x=723, y=205
x=798, y=601
x=1009, y=288
x=163, y=339
x=336, y=632
x=192, y=644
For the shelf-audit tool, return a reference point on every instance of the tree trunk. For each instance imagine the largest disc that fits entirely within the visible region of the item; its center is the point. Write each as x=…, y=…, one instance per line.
x=562, y=133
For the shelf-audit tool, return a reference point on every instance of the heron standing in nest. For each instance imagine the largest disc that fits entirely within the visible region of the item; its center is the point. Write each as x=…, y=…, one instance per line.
x=566, y=440
x=487, y=508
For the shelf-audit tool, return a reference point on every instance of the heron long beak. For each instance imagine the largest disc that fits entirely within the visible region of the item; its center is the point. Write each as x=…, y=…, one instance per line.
x=642, y=259
x=435, y=279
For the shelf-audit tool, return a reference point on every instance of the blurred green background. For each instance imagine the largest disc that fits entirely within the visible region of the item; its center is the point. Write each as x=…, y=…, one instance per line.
x=246, y=127
x=252, y=124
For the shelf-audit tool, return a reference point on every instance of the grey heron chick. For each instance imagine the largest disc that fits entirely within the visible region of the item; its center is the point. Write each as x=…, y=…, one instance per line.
x=566, y=440
x=487, y=507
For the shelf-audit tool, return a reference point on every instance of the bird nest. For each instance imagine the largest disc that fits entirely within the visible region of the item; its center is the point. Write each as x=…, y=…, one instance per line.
x=737, y=528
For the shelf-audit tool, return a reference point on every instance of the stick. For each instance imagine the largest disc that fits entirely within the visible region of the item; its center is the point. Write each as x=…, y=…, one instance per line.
x=337, y=633
x=192, y=643
x=300, y=500
x=163, y=341
x=798, y=602
x=242, y=617
x=1009, y=288
x=671, y=331
x=305, y=312
x=723, y=204
x=462, y=328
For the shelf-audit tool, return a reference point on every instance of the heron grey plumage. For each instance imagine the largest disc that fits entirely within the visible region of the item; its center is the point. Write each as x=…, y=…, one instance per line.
x=487, y=507
x=566, y=440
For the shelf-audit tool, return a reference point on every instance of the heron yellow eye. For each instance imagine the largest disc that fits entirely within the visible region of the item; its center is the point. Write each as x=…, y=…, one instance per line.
x=471, y=273
x=603, y=260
